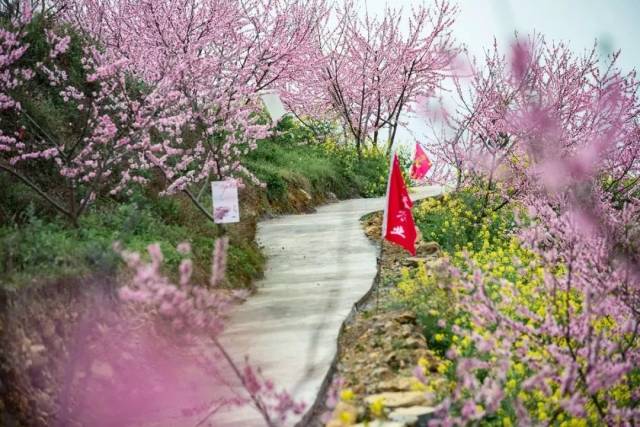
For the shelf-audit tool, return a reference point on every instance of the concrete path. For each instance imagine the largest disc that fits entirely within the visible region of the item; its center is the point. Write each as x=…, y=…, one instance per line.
x=318, y=266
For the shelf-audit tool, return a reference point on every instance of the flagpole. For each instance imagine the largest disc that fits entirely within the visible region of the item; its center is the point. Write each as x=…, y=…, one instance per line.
x=384, y=230
x=380, y=265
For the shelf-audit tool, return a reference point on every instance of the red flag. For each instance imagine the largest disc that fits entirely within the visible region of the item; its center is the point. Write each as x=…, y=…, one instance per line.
x=398, y=225
x=421, y=164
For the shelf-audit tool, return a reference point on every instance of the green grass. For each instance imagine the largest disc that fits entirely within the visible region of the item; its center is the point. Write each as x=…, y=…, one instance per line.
x=284, y=162
x=315, y=169
x=37, y=248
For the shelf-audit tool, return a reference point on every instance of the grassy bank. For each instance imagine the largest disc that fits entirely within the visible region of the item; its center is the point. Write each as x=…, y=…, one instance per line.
x=295, y=161
x=37, y=246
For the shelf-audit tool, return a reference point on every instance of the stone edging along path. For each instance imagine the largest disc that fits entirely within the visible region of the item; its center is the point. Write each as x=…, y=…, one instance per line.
x=320, y=266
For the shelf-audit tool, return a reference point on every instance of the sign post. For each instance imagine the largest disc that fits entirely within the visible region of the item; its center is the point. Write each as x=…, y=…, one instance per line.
x=226, y=208
x=274, y=106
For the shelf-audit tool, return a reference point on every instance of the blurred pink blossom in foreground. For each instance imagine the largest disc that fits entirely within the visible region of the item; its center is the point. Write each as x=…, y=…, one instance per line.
x=156, y=360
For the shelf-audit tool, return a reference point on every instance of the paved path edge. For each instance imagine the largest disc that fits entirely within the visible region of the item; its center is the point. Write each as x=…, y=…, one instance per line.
x=314, y=411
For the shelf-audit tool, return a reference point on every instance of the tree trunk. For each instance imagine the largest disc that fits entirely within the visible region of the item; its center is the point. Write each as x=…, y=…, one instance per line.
x=201, y=208
x=392, y=137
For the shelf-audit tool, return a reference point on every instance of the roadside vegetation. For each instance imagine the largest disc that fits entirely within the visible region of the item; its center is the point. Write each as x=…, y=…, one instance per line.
x=296, y=172
x=522, y=306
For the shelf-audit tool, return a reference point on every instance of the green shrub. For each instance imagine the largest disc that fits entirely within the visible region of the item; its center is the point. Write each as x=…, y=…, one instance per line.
x=51, y=250
x=461, y=221
x=464, y=228
x=295, y=158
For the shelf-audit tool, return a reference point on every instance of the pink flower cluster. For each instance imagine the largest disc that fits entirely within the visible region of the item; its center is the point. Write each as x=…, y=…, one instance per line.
x=368, y=71
x=189, y=309
x=197, y=313
x=544, y=113
x=557, y=134
x=105, y=156
x=206, y=63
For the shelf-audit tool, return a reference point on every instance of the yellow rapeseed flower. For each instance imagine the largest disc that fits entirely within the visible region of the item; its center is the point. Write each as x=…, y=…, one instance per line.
x=377, y=407
x=347, y=394
x=347, y=418
x=417, y=385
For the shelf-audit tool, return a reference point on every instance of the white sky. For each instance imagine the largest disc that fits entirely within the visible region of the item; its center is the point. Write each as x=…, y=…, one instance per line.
x=614, y=23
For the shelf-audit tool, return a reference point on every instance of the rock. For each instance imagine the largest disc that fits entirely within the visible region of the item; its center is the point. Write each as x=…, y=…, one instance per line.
x=391, y=358
x=388, y=326
x=410, y=415
x=371, y=230
x=428, y=248
x=399, y=399
x=406, y=331
x=308, y=196
x=396, y=384
x=414, y=261
x=405, y=317
x=382, y=372
x=300, y=200
x=414, y=343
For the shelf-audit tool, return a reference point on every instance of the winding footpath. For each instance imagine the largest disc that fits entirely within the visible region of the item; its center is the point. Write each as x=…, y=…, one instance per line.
x=319, y=265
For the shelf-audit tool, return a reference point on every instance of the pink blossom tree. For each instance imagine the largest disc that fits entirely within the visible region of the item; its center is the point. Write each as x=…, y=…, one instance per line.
x=192, y=310
x=155, y=354
x=98, y=150
x=205, y=64
x=543, y=104
x=556, y=134
x=370, y=70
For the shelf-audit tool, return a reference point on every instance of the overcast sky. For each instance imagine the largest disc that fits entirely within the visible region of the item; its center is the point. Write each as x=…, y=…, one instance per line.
x=614, y=23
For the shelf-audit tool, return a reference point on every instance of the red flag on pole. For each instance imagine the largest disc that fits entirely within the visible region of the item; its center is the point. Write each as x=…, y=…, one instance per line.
x=421, y=164
x=398, y=225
